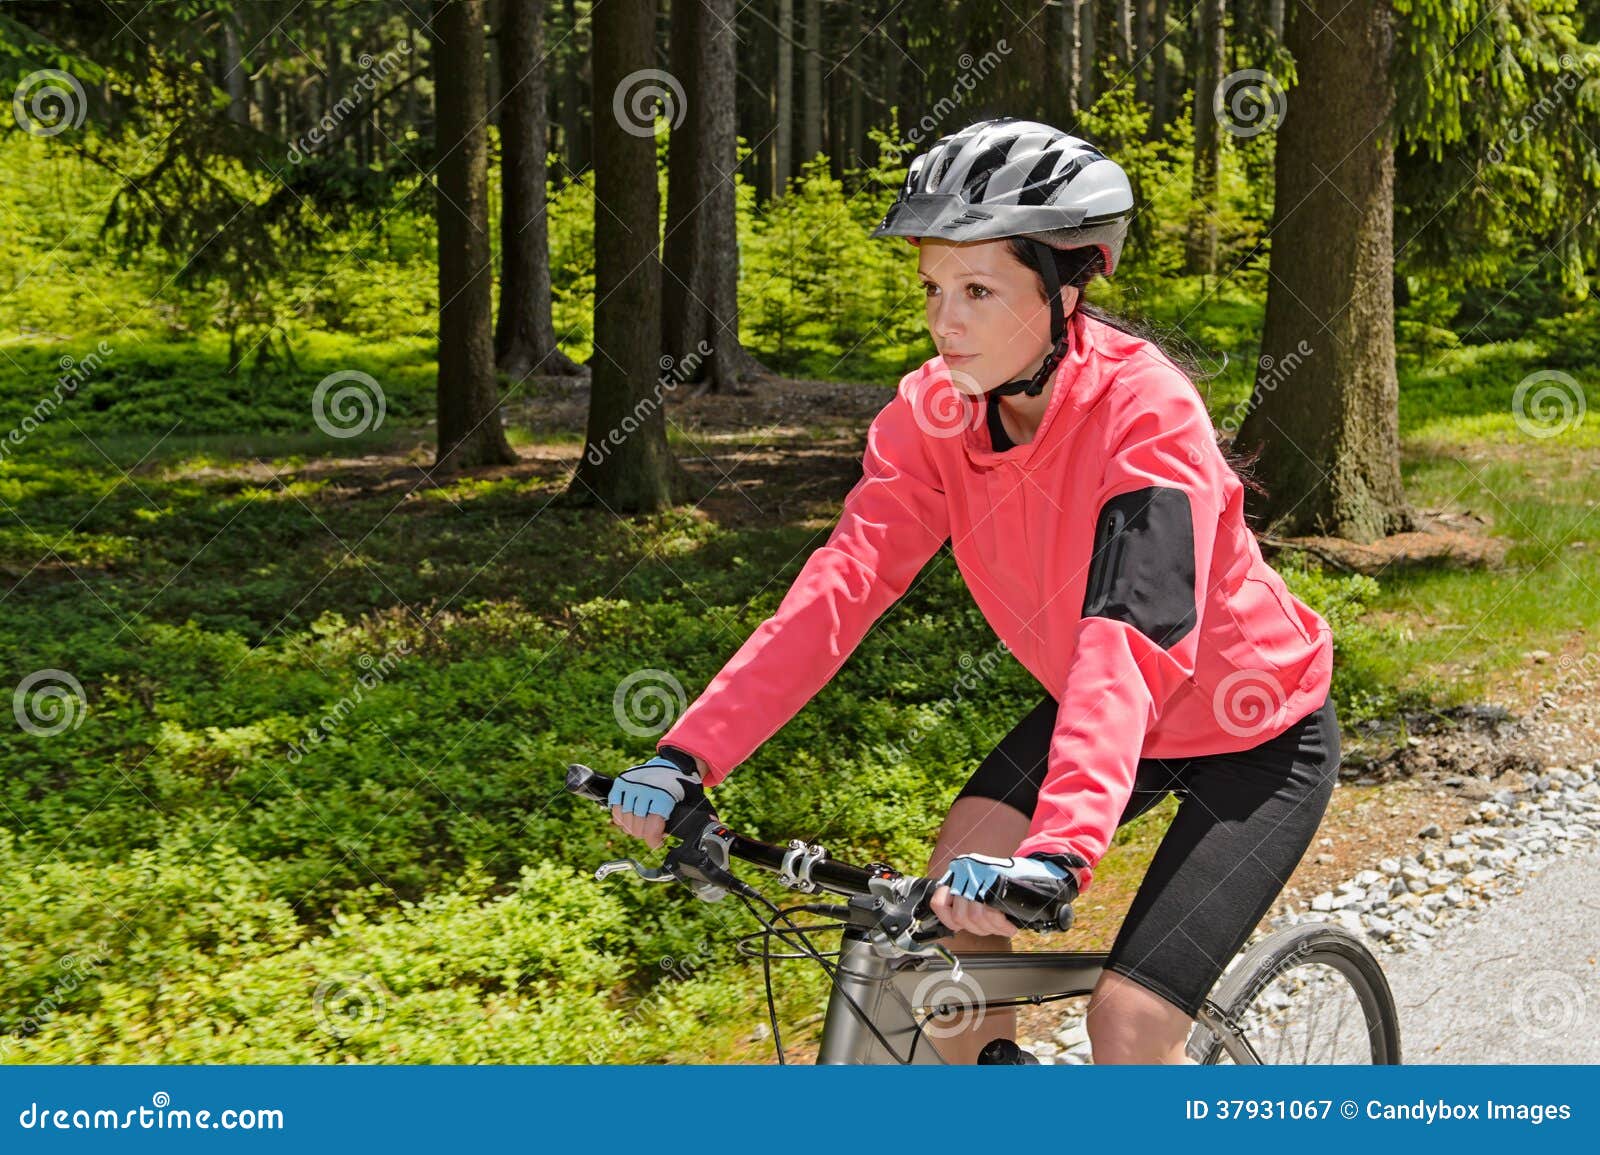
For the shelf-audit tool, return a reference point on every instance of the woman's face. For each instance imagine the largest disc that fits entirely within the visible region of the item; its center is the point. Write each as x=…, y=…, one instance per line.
x=986, y=311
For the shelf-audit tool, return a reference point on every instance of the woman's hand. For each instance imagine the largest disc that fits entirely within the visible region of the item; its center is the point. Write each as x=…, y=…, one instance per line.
x=958, y=900
x=644, y=796
x=963, y=914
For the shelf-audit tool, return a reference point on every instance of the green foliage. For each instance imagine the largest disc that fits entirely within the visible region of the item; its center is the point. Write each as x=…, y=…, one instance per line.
x=410, y=884
x=818, y=296
x=1498, y=113
x=177, y=955
x=252, y=847
x=1161, y=173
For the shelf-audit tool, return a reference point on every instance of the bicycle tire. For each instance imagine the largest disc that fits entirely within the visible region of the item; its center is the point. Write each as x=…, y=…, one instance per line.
x=1283, y=952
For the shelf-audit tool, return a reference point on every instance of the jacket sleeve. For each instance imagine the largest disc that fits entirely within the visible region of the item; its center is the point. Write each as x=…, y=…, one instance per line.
x=894, y=519
x=1157, y=512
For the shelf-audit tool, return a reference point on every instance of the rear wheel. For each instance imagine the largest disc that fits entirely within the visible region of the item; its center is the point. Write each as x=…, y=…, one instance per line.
x=1308, y=994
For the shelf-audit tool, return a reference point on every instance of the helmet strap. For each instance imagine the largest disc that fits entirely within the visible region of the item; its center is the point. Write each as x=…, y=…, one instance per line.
x=1033, y=386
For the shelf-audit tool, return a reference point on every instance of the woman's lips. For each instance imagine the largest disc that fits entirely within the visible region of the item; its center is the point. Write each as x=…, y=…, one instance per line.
x=957, y=358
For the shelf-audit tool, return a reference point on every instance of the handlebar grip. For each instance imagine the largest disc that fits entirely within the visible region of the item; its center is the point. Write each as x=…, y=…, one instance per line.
x=587, y=783
x=685, y=823
x=1033, y=909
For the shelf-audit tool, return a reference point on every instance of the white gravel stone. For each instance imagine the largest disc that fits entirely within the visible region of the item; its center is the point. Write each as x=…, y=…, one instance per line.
x=1074, y=1035
x=1411, y=897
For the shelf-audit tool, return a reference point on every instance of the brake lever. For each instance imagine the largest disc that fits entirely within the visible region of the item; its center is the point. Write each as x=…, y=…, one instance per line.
x=900, y=929
x=698, y=861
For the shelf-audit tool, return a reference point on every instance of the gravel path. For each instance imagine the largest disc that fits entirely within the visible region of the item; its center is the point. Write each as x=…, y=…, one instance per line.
x=1516, y=981
x=1489, y=934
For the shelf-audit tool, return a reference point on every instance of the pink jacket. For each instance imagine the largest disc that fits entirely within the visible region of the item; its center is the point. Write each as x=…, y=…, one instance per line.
x=1191, y=644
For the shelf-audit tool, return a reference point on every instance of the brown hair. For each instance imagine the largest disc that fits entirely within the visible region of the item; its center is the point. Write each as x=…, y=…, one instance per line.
x=1076, y=268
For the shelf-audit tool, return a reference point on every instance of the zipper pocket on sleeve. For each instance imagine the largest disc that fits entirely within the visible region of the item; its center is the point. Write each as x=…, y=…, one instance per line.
x=1107, y=555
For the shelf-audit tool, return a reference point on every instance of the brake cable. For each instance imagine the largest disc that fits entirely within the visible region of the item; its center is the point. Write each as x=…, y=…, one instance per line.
x=821, y=960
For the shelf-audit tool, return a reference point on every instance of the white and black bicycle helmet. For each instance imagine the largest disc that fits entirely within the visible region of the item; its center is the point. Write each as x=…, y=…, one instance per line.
x=1018, y=178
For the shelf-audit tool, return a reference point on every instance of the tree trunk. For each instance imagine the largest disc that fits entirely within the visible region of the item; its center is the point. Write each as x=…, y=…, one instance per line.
x=492, y=70
x=524, y=335
x=626, y=463
x=837, y=101
x=575, y=136
x=783, y=101
x=761, y=60
x=1325, y=408
x=470, y=428
x=811, y=126
x=1160, y=73
x=236, y=77
x=893, y=35
x=1063, y=32
x=855, y=133
x=700, y=319
x=1087, y=63
x=1245, y=37
x=1142, y=42
x=269, y=109
x=1201, y=244
x=333, y=86
x=413, y=111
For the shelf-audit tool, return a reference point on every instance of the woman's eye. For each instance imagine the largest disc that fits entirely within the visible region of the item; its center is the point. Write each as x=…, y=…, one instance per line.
x=928, y=289
x=979, y=291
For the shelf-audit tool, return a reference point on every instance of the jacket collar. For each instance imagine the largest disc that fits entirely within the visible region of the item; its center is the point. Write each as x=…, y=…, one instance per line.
x=1074, y=389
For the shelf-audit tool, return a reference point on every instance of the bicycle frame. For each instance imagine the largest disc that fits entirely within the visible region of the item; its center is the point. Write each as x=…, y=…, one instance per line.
x=887, y=990
x=886, y=987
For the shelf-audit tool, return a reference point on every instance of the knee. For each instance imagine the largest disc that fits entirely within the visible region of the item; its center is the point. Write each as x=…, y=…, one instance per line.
x=1112, y=1033
x=1129, y=1023
x=977, y=826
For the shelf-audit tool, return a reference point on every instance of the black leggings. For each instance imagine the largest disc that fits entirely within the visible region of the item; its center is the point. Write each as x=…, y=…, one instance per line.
x=1244, y=821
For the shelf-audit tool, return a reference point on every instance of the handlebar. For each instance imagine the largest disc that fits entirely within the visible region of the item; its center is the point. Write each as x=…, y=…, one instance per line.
x=707, y=845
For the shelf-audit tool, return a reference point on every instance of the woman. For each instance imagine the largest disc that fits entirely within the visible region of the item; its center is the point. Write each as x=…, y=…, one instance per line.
x=1101, y=531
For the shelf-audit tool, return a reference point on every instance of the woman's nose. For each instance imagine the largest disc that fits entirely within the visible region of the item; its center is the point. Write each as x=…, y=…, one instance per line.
x=944, y=321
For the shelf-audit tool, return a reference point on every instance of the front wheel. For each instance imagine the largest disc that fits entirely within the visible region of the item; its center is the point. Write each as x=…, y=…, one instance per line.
x=1311, y=993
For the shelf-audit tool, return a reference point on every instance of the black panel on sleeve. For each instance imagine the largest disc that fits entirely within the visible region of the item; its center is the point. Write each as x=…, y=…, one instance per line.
x=1142, y=572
